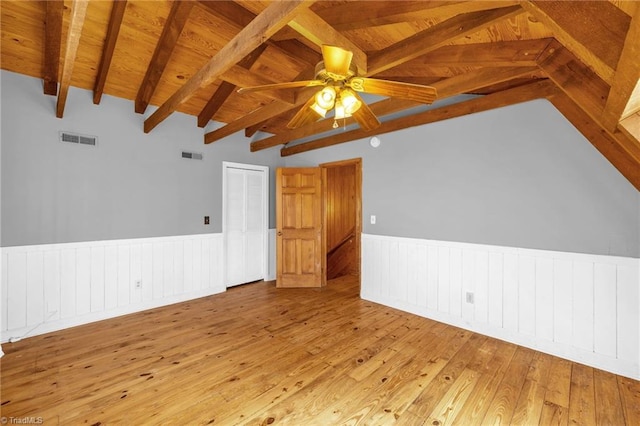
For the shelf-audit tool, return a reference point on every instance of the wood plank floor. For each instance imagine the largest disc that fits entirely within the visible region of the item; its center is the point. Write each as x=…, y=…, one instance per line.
x=260, y=355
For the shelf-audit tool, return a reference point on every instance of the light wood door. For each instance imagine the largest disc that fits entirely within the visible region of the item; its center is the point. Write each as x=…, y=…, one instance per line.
x=300, y=237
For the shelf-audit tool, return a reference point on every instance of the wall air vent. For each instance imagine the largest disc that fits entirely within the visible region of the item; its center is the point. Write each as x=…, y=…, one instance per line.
x=192, y=155
x=78, y=138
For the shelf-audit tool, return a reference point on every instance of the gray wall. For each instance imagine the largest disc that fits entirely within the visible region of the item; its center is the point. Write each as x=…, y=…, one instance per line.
x=520, y=176
x=132, y=185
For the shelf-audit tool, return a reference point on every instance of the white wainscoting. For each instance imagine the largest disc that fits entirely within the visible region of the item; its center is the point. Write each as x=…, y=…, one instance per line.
x=55, y=286
x=577, y=306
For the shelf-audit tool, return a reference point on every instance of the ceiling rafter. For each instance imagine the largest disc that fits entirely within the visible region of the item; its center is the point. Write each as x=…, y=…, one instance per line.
x=575, y=78
x=593, y=30
x=240, y=76
x=436, y=36
x=522, y=53
x=78, y=13
x=274, y=17
x=446, y=88
x=624, y=96
x=599, y=138
x=447, y=31
x=524, y=93
x=584, y=87
x=226, y=89
x=352, y=16
x=239, y=17
x=177, y=19
x=259, y=115
x=115, y=21
x=52, y=42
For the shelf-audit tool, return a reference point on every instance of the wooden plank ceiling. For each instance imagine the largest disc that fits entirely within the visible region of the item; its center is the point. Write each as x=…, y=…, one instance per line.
x=191, y=56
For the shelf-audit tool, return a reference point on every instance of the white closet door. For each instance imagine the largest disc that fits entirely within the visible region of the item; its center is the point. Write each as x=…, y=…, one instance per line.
x=245, y=223
x=254, y=233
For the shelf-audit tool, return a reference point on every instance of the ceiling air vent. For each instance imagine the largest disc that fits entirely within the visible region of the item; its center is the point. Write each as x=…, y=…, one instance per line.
x=192, y=155
x=78, y=138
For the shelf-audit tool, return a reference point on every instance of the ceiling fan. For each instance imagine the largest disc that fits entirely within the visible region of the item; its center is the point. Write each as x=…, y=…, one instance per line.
x=340, y=86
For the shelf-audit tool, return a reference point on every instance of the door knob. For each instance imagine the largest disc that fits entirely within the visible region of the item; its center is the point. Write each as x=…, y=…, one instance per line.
x=279, y=233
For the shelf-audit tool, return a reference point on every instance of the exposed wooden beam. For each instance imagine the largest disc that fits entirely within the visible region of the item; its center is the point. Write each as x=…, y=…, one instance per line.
x=52, y=42
x=117, y=13
x=352, y=15
x=624, y=96
x=584, y=87
x=446, y=88
x=437, y=36
x=264, y=113
x=257, y=116
x=599, y=138
x=173, y=27
x=239, y=17
x=242, y=77
x=78, y=13
x=516, y=95
x=274, y=17
x=576, y=79
x=471, y=81
x=315, y=29
x=523, y=53
x=593, y=30
x=225, y=89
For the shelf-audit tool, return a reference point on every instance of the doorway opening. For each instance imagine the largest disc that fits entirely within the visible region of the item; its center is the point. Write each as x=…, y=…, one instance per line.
x=343, y=218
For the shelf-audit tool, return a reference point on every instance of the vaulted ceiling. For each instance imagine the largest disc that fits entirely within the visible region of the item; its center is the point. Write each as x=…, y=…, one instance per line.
x=192, y=56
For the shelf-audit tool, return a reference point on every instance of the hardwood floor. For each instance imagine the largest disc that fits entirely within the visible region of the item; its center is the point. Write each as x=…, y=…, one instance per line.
x=261, y=355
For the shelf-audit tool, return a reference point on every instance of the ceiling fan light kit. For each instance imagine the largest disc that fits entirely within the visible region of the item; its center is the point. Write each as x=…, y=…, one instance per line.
x=340, y=83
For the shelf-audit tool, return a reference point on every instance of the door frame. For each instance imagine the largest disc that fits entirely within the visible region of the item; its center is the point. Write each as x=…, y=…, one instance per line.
x=357, y=162
x=226, y=165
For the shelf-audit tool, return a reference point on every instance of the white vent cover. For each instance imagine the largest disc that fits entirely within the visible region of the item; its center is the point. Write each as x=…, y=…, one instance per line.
x=78, y=138
x=192, y=155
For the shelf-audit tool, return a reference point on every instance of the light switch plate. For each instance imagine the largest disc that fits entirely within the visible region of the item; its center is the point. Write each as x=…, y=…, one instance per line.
x=373, y=219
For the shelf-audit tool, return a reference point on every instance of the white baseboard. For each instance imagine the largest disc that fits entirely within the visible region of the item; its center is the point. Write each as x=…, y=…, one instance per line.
x=581, y=307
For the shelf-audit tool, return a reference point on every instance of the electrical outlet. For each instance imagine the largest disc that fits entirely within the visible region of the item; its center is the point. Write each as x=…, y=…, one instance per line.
x=470, y=297
x=206, y=220
x=138, y=283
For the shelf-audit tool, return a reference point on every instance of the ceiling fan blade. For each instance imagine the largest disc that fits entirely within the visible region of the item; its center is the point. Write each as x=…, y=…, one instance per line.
x=305, y=115
x=277, y=86
x=395, y=89
x=365, y=117
x=336, y=59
